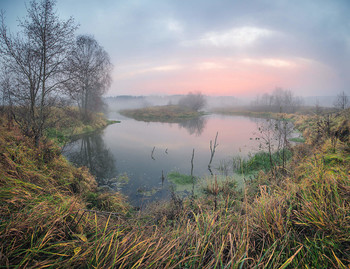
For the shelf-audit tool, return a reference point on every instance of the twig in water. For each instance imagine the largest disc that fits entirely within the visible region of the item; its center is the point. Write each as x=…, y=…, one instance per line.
x=212, y=151
x=192, y=177
x=192, y=163
x=152, y=153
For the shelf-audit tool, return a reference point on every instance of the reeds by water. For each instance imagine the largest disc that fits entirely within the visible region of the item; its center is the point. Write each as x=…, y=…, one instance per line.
x=298, y=221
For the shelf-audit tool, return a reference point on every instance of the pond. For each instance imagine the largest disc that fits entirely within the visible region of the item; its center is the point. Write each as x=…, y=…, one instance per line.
x=135, y=157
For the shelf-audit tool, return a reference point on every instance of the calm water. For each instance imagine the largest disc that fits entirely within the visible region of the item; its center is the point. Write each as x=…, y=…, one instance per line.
x=144, y=151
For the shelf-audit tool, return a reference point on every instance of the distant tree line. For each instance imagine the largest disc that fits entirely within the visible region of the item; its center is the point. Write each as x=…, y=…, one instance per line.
x=44, y=66
x=280, y=100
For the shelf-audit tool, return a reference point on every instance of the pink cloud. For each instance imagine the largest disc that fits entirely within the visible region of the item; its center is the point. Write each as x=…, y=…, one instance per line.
x=229, y=76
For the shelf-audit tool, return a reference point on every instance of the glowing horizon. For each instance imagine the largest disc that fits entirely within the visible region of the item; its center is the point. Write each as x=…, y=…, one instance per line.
x=234, y=77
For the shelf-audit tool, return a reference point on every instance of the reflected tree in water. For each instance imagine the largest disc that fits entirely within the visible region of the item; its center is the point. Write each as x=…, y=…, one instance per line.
x=194, y=126
x=91, y=151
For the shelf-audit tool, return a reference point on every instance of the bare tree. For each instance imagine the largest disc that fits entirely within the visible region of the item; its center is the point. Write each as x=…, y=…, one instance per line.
x=266, y=135
x=36, y=57
x=6, y=88
x=90, y=69
x=283, y=131
x=279, y=100
x=194, y=101
x=342, y=101
x=318, y=108
x=273, y=136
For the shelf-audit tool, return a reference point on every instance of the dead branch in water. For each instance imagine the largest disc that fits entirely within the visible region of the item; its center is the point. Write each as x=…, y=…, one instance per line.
x=192, y=163
x=212, y=151
x=163, y=178
x=152, y=153
x=192, y=177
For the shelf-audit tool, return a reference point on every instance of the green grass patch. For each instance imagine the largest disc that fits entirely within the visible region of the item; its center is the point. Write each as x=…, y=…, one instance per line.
x=261, y=161
x=297, y=139
x=180, y=179
x=333, y=159
x=113, y=121
x=56, y=135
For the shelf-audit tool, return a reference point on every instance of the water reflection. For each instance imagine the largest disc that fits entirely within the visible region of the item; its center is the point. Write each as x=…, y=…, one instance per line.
x=91, y=151
x=131, y=144
x=194, y=126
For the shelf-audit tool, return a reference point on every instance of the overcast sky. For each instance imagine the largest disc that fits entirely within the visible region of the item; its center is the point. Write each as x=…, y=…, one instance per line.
x=218, y=47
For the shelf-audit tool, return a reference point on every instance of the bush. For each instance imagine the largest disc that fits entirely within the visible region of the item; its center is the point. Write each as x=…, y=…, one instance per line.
x=193, y=101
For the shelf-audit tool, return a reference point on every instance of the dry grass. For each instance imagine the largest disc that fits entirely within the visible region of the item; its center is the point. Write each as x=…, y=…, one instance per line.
x=169, y=113
x=298, y=221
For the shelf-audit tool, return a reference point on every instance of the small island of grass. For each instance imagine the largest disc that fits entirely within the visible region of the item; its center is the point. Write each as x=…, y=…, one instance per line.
x=168, y=113
x=189, y=107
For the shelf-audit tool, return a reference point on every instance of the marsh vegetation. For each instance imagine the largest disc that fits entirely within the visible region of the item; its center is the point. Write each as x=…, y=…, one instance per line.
x=52, y=214
x=169, y=187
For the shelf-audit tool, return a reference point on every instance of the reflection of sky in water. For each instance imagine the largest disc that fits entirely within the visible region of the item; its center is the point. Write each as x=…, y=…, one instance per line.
x=128, y=145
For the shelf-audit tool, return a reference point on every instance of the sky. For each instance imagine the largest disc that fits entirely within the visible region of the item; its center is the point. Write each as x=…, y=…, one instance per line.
x=216, y=47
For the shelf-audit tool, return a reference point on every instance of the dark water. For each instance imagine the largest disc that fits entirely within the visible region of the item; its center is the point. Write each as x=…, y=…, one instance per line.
x=146, y=151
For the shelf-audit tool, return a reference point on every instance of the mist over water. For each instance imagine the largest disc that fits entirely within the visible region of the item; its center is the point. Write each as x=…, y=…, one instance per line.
x=118, y=103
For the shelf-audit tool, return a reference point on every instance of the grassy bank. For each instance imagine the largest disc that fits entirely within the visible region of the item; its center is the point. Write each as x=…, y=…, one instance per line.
x=44, y=202
x=169, y=113
x=244, y=111
x=51, y=215
x=261, y=161
x=252, y=111
x=68, y=123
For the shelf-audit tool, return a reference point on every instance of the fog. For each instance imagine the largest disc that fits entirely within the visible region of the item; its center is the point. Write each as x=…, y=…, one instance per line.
x=121, y=102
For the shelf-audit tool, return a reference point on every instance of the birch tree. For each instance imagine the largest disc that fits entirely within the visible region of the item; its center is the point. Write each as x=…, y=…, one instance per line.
x=90, y=68
x=36, y=57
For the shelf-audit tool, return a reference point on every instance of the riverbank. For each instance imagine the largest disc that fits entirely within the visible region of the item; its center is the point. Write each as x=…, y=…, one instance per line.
x=70, y=125
x=46, y=203
x=52, y=215
x=169, y=113
x=250, y=111
x=244, y=111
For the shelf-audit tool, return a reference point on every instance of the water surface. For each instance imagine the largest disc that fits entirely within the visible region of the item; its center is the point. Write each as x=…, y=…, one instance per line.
x=146, y=151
